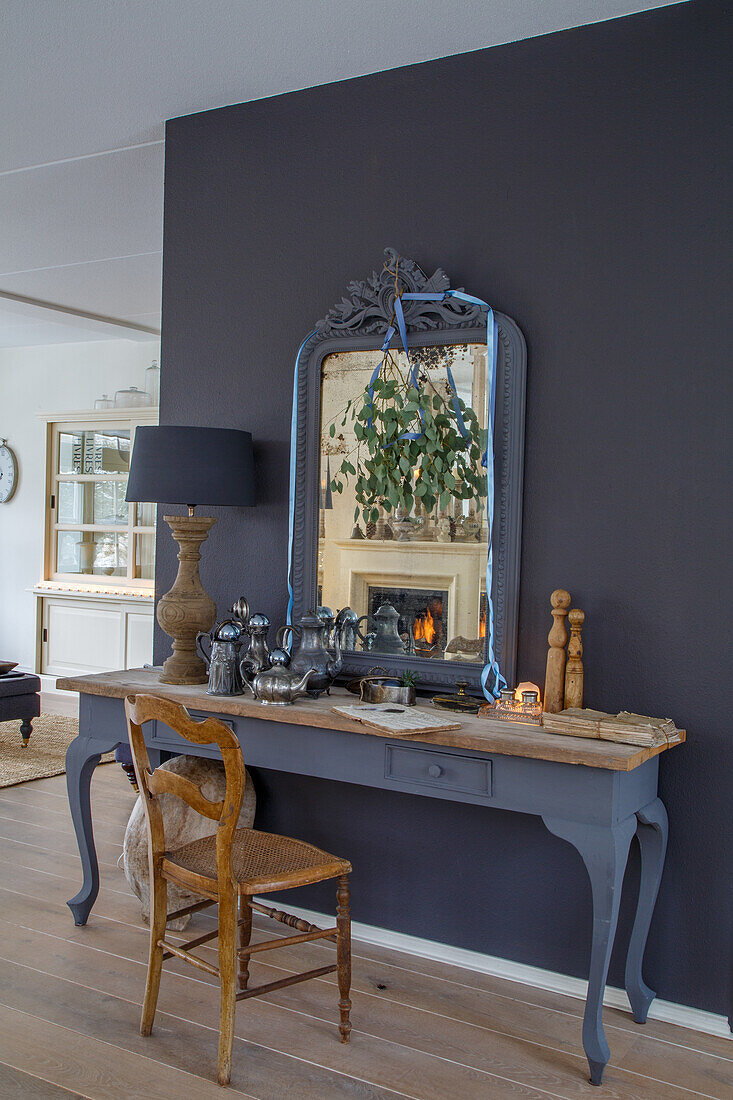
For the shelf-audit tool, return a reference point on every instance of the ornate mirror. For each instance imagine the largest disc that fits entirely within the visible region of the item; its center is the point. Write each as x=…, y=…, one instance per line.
x=390, y=478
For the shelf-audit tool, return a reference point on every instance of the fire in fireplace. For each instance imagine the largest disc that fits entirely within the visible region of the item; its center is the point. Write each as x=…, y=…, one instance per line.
x=423, y=617
x=482, y=617
x=423, y=628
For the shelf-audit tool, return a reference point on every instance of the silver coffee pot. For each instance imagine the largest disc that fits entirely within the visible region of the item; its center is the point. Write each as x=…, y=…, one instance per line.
x=385, y=620
x=225, y=641
x=326, y=615
x=308, y=651
x=347, y=629
x=257, y=657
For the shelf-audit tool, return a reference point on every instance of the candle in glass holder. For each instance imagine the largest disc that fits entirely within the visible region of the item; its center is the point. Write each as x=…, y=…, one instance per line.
x=522, y=705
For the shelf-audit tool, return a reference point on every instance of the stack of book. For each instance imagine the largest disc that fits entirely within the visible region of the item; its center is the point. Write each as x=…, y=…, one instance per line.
x=626, y=728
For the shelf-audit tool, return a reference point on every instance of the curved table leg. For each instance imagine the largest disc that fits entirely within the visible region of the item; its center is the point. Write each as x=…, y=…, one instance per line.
x=605, y=851
x=82, y=757
x=652, y=830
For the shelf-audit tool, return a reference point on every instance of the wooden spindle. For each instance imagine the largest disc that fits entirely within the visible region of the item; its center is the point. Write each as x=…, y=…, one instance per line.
x=574, y=666
x=558, y=639
x=284, y=918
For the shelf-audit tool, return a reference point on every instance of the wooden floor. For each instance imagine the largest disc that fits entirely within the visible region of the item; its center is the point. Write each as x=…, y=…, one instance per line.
x=70, y=1004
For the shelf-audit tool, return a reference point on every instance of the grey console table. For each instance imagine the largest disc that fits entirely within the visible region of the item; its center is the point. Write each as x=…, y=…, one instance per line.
x=595, y=794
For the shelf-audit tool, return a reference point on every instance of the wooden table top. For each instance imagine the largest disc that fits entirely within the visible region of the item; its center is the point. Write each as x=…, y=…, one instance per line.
x=479, y=734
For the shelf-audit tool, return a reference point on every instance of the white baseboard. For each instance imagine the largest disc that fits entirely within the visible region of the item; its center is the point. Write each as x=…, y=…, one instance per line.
x=666, y=1011
x=54, y=701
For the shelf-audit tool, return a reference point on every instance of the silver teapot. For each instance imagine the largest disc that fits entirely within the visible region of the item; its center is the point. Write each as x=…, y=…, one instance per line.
x=311, y=652
x=223, y=657
x=278, y=685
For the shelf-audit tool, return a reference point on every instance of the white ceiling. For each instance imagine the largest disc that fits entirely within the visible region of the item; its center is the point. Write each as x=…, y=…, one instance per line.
x=86, y=86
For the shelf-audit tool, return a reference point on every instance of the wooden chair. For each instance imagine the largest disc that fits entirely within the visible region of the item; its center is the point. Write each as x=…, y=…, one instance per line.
x=227, y=868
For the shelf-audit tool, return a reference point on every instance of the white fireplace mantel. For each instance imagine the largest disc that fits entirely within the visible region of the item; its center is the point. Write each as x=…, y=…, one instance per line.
x=352, y=566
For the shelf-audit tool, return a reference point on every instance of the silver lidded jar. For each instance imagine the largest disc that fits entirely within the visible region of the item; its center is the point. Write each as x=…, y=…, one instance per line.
x=225, y=641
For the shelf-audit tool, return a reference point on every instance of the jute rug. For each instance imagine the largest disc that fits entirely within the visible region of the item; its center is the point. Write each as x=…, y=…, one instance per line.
x=46, y=752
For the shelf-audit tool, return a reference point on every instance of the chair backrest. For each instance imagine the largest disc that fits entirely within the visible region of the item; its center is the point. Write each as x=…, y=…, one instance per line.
x=208, y=731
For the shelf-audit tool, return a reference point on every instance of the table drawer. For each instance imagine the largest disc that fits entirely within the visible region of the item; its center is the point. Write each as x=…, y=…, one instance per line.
x=440, y=770
x=164, y=737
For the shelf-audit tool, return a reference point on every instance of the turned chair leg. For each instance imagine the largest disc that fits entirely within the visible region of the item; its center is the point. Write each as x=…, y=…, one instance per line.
x=245, y=934
x=129, y=770
x=343, y=955
x=158, y=918
x=228, y=982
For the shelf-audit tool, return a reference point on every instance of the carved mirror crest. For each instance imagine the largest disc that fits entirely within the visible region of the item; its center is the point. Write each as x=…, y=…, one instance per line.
x=388, y=494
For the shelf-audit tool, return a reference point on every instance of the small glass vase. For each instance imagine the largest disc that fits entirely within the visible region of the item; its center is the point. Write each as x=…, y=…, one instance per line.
x=152, y=382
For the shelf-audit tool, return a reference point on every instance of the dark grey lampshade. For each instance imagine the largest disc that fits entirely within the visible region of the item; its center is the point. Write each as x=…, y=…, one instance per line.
x=177, y=465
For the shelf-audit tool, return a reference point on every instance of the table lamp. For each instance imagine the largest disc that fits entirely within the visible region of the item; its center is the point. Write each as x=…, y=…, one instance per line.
x=182, y=465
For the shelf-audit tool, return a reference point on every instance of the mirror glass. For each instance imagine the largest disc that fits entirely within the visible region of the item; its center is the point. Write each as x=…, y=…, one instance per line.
x=402, y=535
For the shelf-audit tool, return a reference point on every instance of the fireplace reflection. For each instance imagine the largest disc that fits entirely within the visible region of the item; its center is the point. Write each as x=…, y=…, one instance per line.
x=423, y=617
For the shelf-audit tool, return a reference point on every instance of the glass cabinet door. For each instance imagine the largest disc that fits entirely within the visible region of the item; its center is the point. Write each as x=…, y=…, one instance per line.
x=95, y=532
x=100, y=451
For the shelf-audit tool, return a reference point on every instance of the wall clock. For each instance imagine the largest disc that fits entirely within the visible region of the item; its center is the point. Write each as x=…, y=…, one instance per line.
x=8, y=472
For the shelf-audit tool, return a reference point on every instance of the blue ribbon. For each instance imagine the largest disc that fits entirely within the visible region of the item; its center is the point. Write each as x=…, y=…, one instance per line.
x=491, y=668
x=291, y=489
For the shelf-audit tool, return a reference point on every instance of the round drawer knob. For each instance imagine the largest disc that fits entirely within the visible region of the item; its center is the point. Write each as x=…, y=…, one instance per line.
x=435, y=770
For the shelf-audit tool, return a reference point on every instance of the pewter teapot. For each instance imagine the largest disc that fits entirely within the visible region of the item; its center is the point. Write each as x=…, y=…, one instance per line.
x=311, y=652
x=223, y=657
x=278, y=685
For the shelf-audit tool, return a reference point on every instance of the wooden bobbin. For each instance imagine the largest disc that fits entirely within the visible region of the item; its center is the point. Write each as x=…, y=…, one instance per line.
x=558, y=638
x=574, y=666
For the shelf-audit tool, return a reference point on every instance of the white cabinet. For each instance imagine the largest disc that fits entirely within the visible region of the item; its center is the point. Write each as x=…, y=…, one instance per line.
x=94, y=634
x=138, y=639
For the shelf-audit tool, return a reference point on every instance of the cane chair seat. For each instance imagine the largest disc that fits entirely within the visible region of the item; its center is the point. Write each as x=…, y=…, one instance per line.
x=261, y=861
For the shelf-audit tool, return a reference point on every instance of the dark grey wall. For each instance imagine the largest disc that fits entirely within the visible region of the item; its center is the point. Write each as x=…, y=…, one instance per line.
x=577, y=182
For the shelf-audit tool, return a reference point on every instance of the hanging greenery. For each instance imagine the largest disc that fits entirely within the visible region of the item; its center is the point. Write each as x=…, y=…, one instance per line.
x=443, y=461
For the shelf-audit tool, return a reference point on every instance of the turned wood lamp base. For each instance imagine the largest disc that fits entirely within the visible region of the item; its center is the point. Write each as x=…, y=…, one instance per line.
x=187, y=608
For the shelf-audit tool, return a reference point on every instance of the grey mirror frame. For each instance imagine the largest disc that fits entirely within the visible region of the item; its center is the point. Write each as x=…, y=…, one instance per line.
x=358, y=323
